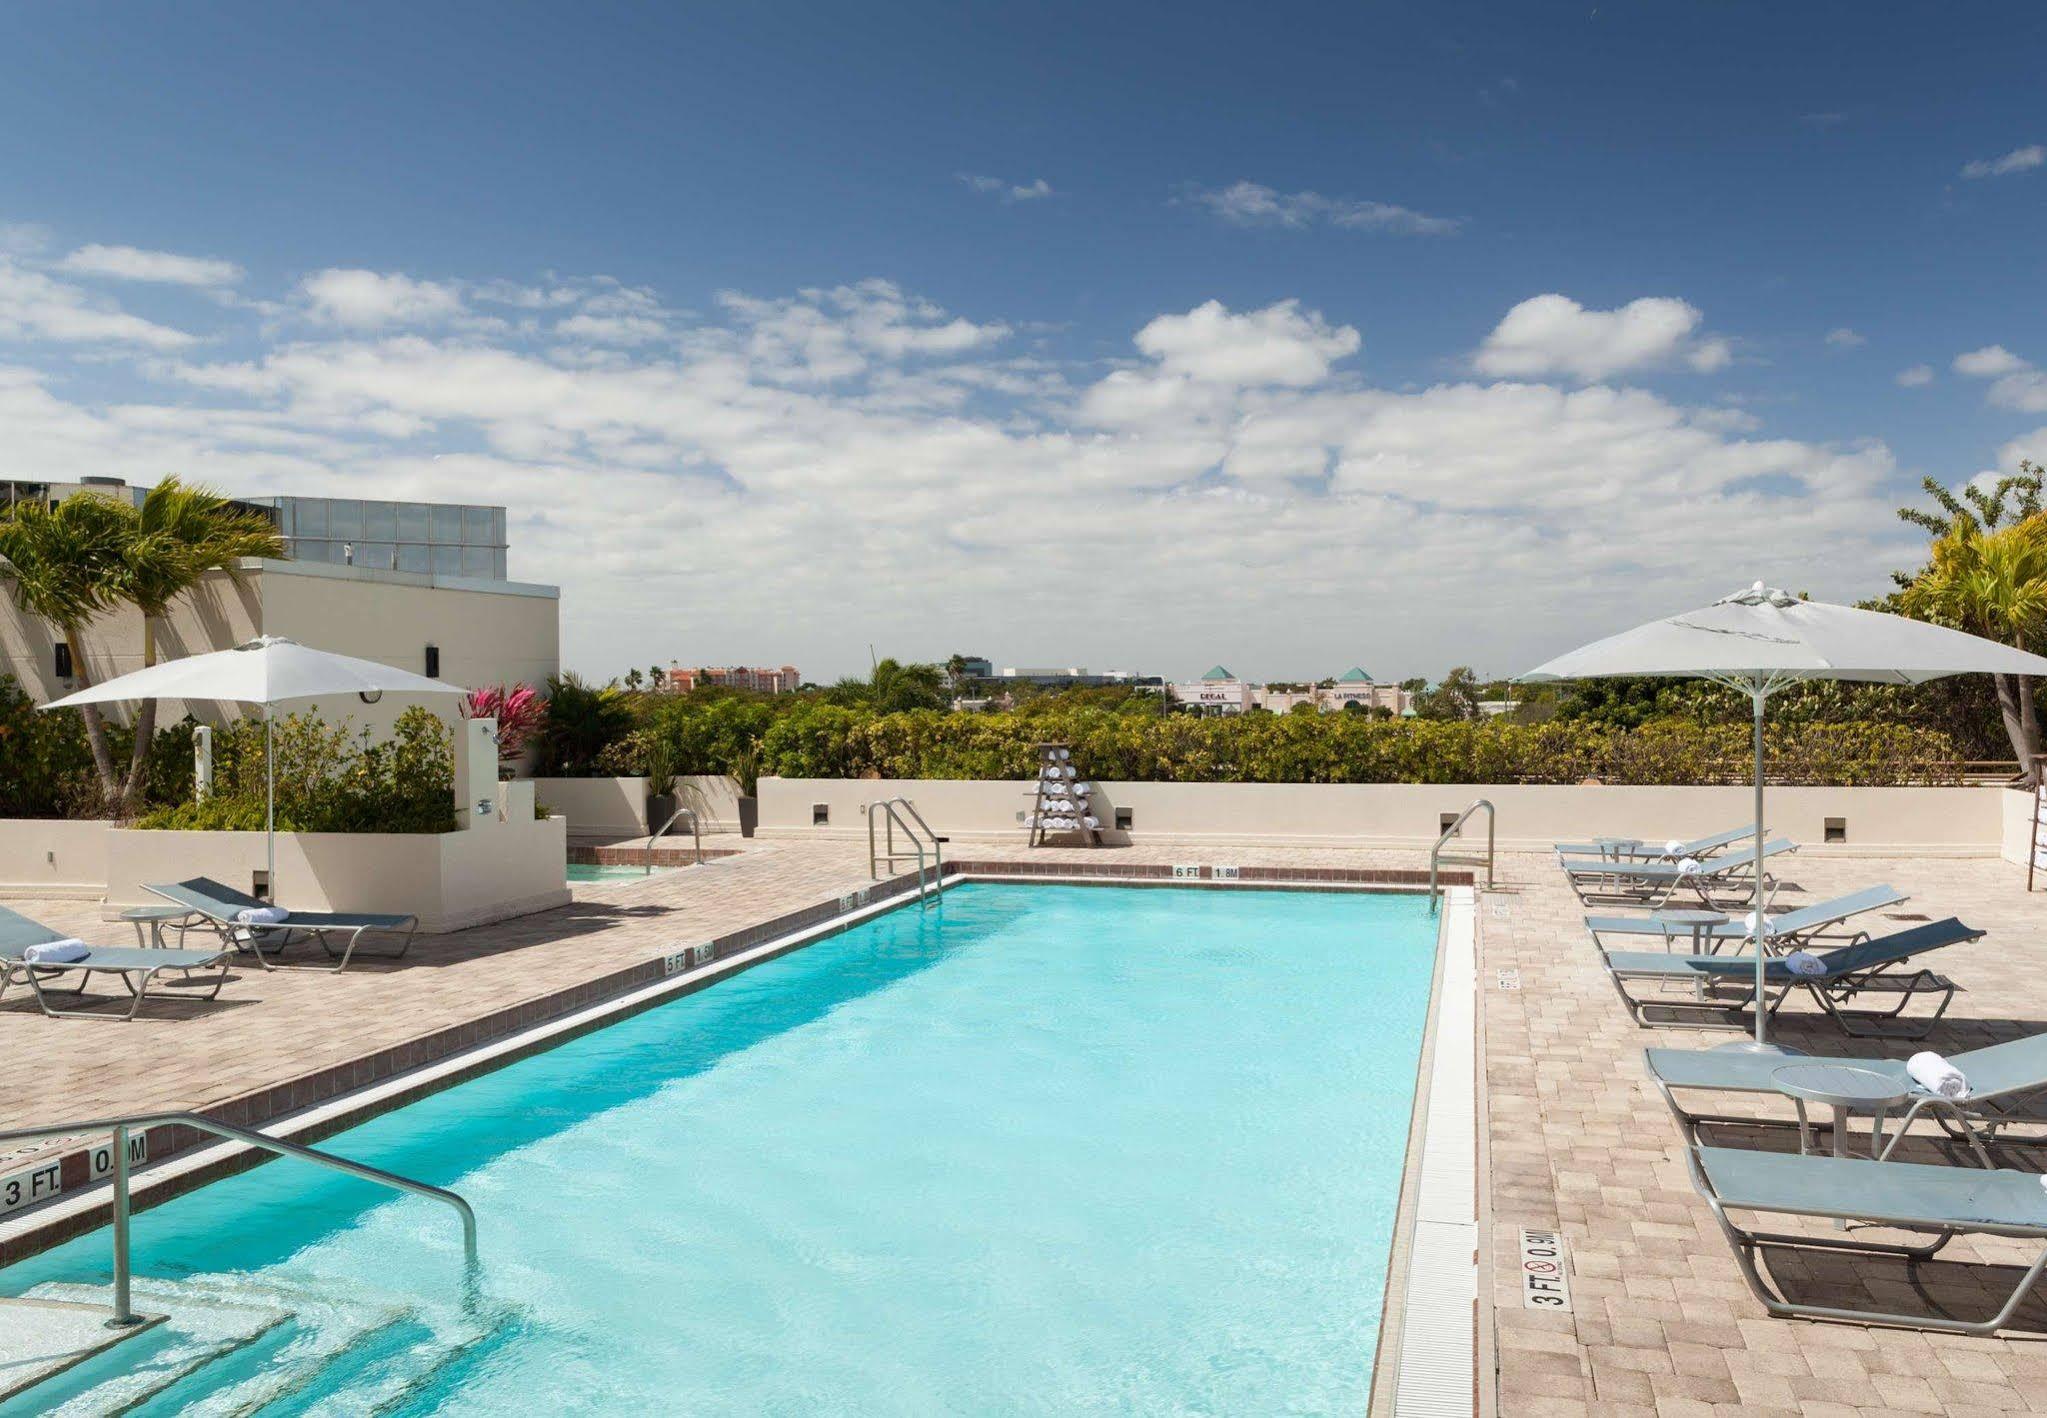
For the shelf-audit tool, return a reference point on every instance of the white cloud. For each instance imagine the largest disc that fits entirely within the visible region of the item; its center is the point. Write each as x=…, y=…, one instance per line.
x=1008, y=191
x=368, y=299
x=1553, y=334
x=2017, y=160
x=1988, y=362
x=1843, y=338
x=1254, y=204
x=36, y=306
x=881, y=454
x=1915, y=377
x=132, y=263
x=1281, y=344
x=2015, y=383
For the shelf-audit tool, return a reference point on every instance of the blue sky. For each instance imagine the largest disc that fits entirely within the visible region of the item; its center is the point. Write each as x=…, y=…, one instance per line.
x=1493, y=294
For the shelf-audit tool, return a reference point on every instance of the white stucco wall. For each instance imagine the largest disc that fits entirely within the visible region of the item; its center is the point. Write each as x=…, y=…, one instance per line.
x=48, y=857
x=1936, y=821
x=616, y=808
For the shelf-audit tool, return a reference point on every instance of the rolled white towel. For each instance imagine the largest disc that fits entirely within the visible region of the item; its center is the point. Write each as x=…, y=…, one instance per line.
x=1092, y=821
x=1066, y=753
x=1051, y=771
x=1069, y=772
x=1672, y=847
x=1687, y=866
x=1805, y=963
x=1936, y=1075
x=261, y=916
x=1081, y=790
x=1748, y=923
x=68, y=951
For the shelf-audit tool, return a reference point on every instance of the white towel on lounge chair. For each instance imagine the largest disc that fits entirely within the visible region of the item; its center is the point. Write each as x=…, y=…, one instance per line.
x=1936, y=1075
x=1673, y=847
x=1748, y=923
x=68, y=951
x=262, y=916
x=1688, y=866
x=1805, y=963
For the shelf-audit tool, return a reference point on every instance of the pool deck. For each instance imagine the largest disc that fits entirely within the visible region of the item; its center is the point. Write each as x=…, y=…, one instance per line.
x=1661, y=1323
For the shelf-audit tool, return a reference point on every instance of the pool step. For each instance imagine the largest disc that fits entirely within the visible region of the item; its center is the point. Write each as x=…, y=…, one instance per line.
x=237, y=1347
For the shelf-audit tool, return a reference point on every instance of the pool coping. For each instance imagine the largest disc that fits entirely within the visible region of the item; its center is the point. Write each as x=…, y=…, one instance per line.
x=1425, y=1363
x=334, y=1099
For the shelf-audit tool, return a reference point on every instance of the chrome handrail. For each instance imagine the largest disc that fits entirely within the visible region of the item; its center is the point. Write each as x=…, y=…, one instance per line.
x=695, y=831
x=124, y=1313
x=1436, y=852
x=887, y=852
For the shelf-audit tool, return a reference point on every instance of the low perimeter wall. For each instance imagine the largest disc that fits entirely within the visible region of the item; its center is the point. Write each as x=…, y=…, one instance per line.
x=615, y=808
x=1875, y=821
x=52, y=857
x=450, y=880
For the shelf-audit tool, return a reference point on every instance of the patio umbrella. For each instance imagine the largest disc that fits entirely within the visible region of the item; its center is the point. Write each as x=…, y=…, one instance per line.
x=1762, y=640
x=269, y=670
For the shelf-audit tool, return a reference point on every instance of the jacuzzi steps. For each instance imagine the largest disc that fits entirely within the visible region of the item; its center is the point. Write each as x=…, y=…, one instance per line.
x=229, y=1348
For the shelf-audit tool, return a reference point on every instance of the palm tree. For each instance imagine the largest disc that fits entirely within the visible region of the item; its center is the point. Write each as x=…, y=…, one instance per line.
x=1992, y=581
x=181, y=534
x=67, y=567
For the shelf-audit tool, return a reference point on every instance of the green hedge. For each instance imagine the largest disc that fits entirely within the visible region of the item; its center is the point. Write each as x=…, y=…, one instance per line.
x=329, y=779
x=810, y=739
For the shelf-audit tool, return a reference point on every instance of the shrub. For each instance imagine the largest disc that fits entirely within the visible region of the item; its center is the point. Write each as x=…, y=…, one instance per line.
x=329, y=779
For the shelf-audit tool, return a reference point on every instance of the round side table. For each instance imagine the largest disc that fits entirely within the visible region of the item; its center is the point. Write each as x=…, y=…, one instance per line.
x=156, y=918
x=1845, y=1089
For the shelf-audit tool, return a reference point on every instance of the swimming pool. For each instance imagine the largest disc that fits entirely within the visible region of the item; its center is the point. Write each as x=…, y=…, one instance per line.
x=1034, y=1149
x=592, y=871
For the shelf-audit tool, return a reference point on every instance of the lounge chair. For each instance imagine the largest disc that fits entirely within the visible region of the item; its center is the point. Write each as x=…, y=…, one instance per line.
x=136, y=967
x=1790, y=931
x=1654, y=883
x=1949, y=1201
x=222, y=907
x=1866, y=967
x=1643, y=850
x=2007, y=1087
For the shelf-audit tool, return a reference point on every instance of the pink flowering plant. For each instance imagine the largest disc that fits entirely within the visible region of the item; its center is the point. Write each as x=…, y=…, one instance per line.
x=519, y=710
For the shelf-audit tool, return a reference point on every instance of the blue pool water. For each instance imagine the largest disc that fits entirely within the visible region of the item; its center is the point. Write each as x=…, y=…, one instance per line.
x=590, y=871
x=1033, y=1150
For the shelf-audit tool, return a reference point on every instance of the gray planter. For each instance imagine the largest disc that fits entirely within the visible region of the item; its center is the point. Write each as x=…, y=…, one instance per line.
x=749, y=815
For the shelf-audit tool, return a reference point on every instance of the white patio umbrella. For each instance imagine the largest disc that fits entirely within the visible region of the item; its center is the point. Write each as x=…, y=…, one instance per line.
x=268, y=670
x=1760, y=641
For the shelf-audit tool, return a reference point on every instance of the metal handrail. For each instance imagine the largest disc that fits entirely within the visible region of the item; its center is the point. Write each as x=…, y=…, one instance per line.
x=1436, y=852
x=893, y=819
x=124, y=1313
x=695, y=830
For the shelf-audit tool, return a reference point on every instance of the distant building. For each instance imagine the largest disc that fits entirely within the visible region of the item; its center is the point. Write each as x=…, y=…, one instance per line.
x=1076, y=677
x=1220, y=692
x=974, y=667
x=1217, y=692
x=760, y=679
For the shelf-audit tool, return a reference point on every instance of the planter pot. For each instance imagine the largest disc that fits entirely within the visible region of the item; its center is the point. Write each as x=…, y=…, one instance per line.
x=660, y=807
x=749, y=815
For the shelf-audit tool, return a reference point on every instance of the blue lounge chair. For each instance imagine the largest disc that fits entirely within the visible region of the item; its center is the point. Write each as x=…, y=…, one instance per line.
x=1790, y=931
x=135, y=967
x=1643, y=850
x=2007, y=1088
x=222, y=907
x=1654, y=883
x=1864, y=968
x=1948, y=1201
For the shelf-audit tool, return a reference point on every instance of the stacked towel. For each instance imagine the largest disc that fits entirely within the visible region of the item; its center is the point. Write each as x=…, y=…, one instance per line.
x=1688, y=866
x=261, y=916
x=1805, y=963
x=1062, y=753
x=1092, y=821
x=1936, y=1075
x=68, y=951
x=1081, y=790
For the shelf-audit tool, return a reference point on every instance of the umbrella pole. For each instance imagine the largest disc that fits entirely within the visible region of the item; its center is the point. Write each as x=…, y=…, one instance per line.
x=269, y=811
x=1762, y=1014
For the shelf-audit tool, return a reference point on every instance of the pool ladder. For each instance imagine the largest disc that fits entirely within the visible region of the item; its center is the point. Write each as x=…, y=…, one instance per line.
x=1436, y=857
x=696, y=832
x=882, y=853
x=124, y=1315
